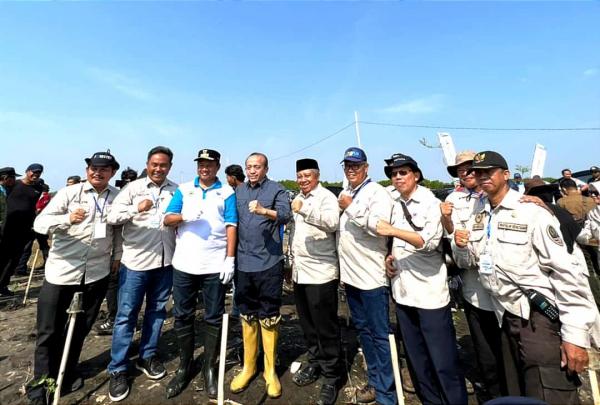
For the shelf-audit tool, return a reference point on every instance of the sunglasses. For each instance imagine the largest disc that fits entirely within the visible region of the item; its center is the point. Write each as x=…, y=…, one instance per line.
x=402, y=173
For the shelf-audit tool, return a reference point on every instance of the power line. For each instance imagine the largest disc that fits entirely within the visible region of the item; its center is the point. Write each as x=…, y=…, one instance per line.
x=314, y=143
x=388, y=124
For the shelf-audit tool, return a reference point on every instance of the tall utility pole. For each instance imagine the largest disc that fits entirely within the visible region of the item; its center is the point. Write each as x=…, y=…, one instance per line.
x=357, y=129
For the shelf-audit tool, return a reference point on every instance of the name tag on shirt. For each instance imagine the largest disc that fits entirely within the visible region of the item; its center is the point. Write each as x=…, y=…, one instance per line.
x=486, y=264
x=99, y=230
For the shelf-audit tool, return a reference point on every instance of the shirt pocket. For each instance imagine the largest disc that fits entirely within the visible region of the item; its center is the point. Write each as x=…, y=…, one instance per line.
x=512, y=249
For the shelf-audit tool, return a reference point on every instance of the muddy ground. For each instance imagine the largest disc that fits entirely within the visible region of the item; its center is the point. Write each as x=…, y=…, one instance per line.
x=17, y=341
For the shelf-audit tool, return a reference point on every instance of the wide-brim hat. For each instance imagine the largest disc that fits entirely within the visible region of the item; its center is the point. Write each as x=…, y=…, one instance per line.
x=461, y=158
x=101, y=159
x=538, y=186
x=399, y=160
x=8, y=171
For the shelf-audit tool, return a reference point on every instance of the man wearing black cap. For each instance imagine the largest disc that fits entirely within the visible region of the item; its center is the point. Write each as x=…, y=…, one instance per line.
x=362, y=270
x=595, y=172
x=540, y=298
x=84, y=250
x=204, y=212
x=20, y=213
x=315, y=274
x=145, y=272
x=418, y=276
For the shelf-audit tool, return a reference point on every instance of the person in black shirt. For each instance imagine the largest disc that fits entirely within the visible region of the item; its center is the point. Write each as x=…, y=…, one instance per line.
x=20, y=214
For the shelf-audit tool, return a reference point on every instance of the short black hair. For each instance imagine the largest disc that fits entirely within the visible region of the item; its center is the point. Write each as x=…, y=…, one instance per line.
x=261, y=155
x=564, y=170
x=235, y=171
x=568, y=183
x=161, y=149
x=75, y=179
x=129, y=174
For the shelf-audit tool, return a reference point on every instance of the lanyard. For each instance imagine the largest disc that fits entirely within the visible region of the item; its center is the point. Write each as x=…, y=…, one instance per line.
x=103, y=205
x=355, y=193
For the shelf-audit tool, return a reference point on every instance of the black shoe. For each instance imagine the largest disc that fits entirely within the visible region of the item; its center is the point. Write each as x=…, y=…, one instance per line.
x=37, y=395
x=328, y=394
x=152, y=367
x=306, y=376
x=118, y=387
x=72, y=383
x=105, y=328
x=5, y=292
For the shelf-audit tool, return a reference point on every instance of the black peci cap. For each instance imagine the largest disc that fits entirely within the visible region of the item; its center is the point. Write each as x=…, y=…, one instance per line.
x=306, y=164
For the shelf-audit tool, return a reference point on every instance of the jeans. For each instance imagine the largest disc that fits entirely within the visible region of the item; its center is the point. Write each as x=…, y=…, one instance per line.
x=155, y=285
x=370, y=314
x=185, y=294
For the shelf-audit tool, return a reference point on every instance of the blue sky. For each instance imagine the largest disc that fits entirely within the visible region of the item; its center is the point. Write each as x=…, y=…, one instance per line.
x=76, y=78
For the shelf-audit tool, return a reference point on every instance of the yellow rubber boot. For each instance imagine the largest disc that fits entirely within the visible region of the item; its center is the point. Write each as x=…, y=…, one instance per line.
x=250, y=336
x=270, y=334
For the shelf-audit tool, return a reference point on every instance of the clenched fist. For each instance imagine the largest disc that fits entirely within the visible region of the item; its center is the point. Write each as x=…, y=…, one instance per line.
x=461, y=237
x=296, y=205
x=77, y=216
x=255, y=208
x=446, y=209
x=145, y=205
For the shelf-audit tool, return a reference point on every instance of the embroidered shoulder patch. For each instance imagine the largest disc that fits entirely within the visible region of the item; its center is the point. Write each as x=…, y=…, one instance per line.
x=553, y=234
x=512, y=226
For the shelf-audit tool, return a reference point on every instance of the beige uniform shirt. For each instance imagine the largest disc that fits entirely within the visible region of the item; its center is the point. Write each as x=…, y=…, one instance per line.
x=420, y=280
x=313, y=248
x=81, y=249
x=525, y=242
x=472, y=290
x=147, y=243
x=361, y=251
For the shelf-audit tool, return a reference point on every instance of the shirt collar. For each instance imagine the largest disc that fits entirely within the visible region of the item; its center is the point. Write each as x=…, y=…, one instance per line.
x=258, y=185
x=215, y=185
x=312, y=192
x=149, y=183
x=87, y=186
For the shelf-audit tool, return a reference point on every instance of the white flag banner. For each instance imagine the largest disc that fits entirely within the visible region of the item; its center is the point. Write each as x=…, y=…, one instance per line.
x=539, y=160
x=447, y=148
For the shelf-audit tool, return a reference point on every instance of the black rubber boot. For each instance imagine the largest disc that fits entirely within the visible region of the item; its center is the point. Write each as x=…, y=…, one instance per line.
x=185, y=338
x=210, y=367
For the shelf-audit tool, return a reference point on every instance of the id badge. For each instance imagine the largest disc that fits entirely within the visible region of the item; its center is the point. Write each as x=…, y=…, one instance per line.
x=486, y=264
x=99, y=230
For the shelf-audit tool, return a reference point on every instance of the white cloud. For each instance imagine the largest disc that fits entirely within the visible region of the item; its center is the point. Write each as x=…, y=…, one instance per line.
x=425, y=105
x=124, y=84
x=591, y=72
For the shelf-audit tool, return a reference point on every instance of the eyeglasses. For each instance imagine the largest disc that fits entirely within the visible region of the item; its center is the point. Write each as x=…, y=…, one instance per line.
x=401, y=172
x=353, y=166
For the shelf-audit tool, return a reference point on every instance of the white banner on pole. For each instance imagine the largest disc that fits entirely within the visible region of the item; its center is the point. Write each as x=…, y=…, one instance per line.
x=539, y=160
x=447, y=148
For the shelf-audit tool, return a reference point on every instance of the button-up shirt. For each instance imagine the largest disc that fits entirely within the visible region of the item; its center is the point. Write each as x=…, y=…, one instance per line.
x=360, y=249
x=526, y=248
x=77, y=250
x=420, y=280
x=260, y=244
x=313, y=239
x=147, y=243
x=464, y=202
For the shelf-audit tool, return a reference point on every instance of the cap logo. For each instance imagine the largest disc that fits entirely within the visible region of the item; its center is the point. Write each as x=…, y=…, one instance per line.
x=107, y=157
x=204, y=154
x=352, y=153
x=478, y=158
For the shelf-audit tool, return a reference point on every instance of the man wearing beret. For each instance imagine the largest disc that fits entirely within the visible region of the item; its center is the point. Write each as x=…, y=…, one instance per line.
x=204, y=212
x=85, y=248
x=20, y=213
x=362, y=270
x=315, y=274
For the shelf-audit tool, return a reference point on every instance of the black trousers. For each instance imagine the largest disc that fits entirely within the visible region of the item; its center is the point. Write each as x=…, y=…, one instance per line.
x=11, y=248
x=112, y=293
x=317, y=306
x=258, y=294
x=531, y=353
x=53, y=302
x=487, y=343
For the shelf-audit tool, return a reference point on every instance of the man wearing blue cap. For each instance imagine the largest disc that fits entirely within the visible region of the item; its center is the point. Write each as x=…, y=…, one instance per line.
x=362, y=256
x=20, y=213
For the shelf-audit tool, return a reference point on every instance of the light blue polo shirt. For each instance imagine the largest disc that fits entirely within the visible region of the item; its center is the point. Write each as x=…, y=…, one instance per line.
x=201, y=245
